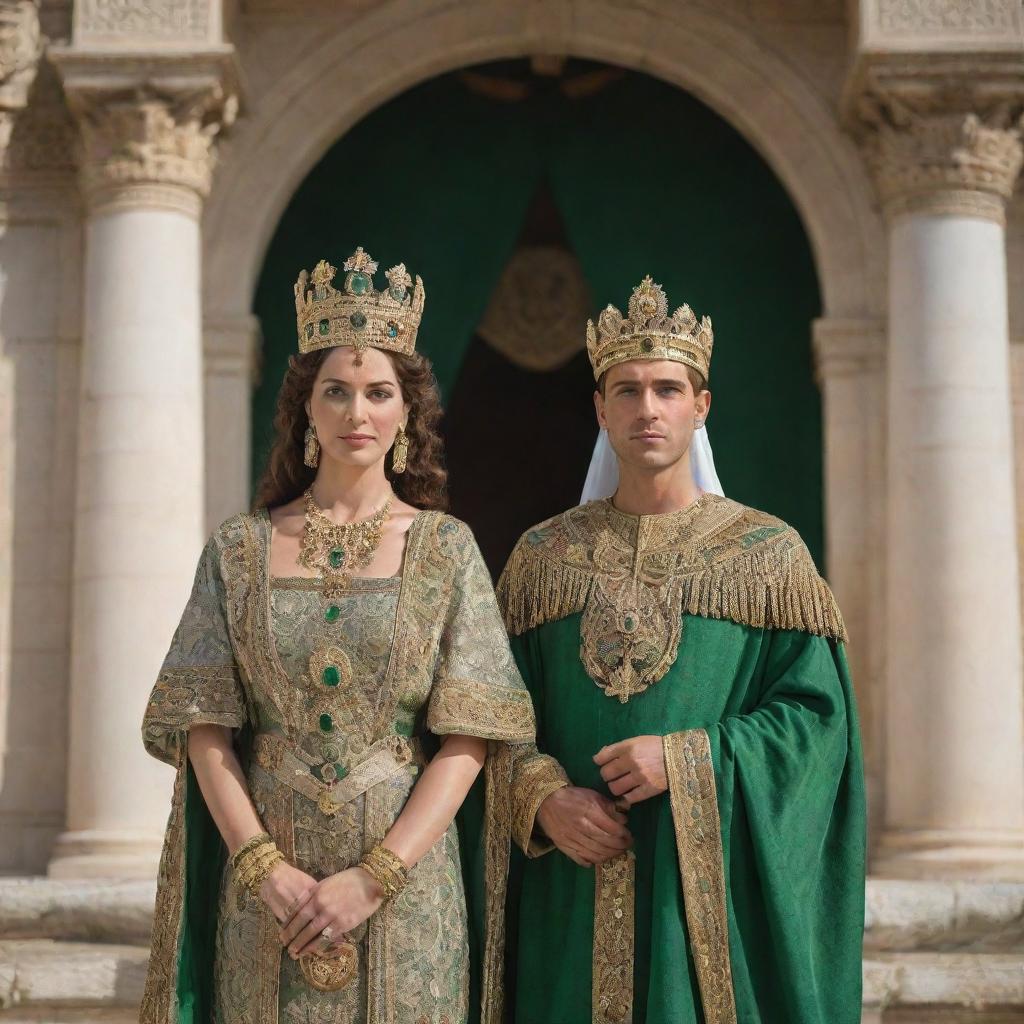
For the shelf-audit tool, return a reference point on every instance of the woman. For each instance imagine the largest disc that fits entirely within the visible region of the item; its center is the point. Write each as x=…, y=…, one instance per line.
x=311, y=870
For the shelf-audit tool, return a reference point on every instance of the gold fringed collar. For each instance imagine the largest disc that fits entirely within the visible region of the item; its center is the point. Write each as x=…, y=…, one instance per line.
x=634, y=577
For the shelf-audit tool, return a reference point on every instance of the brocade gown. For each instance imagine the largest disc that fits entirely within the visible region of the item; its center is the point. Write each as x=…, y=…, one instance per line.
x=336, y=705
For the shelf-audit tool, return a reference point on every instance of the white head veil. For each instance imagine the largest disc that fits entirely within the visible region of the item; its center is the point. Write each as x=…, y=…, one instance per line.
x=603, y=475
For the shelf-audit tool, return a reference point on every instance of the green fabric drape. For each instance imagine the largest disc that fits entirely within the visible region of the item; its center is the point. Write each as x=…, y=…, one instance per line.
x=650, y=181
x=438, y=179
x=647, y=179
x=779, y=710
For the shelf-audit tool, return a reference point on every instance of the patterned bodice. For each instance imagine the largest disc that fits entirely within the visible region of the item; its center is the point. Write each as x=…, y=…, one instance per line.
x=335, y=654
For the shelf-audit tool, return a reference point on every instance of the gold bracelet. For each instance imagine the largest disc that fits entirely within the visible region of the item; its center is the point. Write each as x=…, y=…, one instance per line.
x=387, y=869
x=255, y=861
x=250, y=844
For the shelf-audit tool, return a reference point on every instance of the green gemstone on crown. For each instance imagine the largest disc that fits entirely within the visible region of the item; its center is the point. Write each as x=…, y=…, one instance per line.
x=358, y=320
x=336, y=558
x=325, y=326
x=332, y=613
x=309, y=330
x=331, y=676
x=647, y=344
x=326, y=723
x=398, y=292
x=359, y=283
x=392, y=330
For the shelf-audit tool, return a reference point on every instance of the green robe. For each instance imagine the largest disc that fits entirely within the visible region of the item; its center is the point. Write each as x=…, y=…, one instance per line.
x=743, y=896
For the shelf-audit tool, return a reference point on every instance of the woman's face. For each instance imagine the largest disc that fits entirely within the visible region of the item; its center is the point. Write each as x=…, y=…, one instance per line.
x=356, y=409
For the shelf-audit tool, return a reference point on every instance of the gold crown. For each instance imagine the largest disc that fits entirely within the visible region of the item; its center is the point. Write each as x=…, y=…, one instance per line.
x=648, y=332
x=359, y=315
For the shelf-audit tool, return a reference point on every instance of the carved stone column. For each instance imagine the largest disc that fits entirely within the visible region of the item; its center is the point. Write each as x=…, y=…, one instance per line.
x=945, y=150
x=850, y=361
x=231, y=351
x=19, y=55
x=148, y=128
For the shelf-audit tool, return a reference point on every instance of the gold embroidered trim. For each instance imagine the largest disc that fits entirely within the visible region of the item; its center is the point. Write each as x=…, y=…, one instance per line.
x=183, y=698
x=535, y=778
x=468, y=708
x=378, y=764
x=694, y=800
x=614, y=898
x=634, y=577
x=497, y=846
x=159, y=1000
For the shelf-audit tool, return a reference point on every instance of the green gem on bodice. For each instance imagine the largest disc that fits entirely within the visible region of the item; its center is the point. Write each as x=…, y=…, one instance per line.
x=326, y=723
x=332, y=613
x=340, y=771
x=331, y=676
x=336, y=558
x=402, y=729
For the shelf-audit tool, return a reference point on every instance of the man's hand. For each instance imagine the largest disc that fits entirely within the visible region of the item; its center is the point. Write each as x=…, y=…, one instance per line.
x=634, y=769
x=584, y=825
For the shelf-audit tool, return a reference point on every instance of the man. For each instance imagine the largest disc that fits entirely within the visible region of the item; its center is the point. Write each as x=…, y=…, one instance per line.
x=694, y=817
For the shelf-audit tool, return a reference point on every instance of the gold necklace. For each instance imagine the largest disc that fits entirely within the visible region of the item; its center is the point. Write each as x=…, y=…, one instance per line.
x=337, y=550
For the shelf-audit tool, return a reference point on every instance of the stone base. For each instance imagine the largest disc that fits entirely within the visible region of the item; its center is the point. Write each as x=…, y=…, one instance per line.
x=103, y=854
x=951, y=855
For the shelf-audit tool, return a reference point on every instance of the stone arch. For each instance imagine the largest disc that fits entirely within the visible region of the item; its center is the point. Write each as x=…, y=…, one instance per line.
x=399, y=45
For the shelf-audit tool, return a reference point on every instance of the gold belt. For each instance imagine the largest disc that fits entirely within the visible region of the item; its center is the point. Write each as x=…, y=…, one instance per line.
x=380, y=761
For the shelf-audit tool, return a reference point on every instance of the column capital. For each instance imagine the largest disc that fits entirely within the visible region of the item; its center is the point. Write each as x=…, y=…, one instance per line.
x=941, y=134
x=148, y=123
x=846, y=347
x=20, y=49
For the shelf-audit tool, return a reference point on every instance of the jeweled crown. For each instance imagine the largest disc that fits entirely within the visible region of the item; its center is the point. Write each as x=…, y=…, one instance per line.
x=648, y=332
x=358, y=315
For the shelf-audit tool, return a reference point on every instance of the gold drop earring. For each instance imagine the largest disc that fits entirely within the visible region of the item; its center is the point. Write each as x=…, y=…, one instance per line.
x=400, y=451
x=311, y=453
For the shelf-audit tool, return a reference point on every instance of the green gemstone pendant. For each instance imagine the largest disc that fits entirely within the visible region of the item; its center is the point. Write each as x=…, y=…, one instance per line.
x=336, y=558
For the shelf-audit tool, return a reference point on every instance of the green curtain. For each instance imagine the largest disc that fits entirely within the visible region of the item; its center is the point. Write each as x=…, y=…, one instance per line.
x=438, y=179
x=648, y=180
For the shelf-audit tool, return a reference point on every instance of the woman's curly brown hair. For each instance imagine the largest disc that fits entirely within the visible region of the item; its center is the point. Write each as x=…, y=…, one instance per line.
x=424, y=483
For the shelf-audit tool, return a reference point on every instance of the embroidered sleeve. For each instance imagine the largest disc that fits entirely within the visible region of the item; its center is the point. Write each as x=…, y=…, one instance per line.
x=535, y=776
x=477, y=689
x=199, y=682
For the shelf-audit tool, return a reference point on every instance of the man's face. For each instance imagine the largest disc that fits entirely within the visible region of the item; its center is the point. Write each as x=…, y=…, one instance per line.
x=649, y=409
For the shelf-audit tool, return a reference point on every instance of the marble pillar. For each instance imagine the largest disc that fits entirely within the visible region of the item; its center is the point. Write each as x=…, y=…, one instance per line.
x=945, y=163
x=148, y=152
x=850, y=363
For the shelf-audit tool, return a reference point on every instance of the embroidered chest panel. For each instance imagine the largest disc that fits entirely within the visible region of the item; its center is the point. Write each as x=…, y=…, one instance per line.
x=635, y=577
